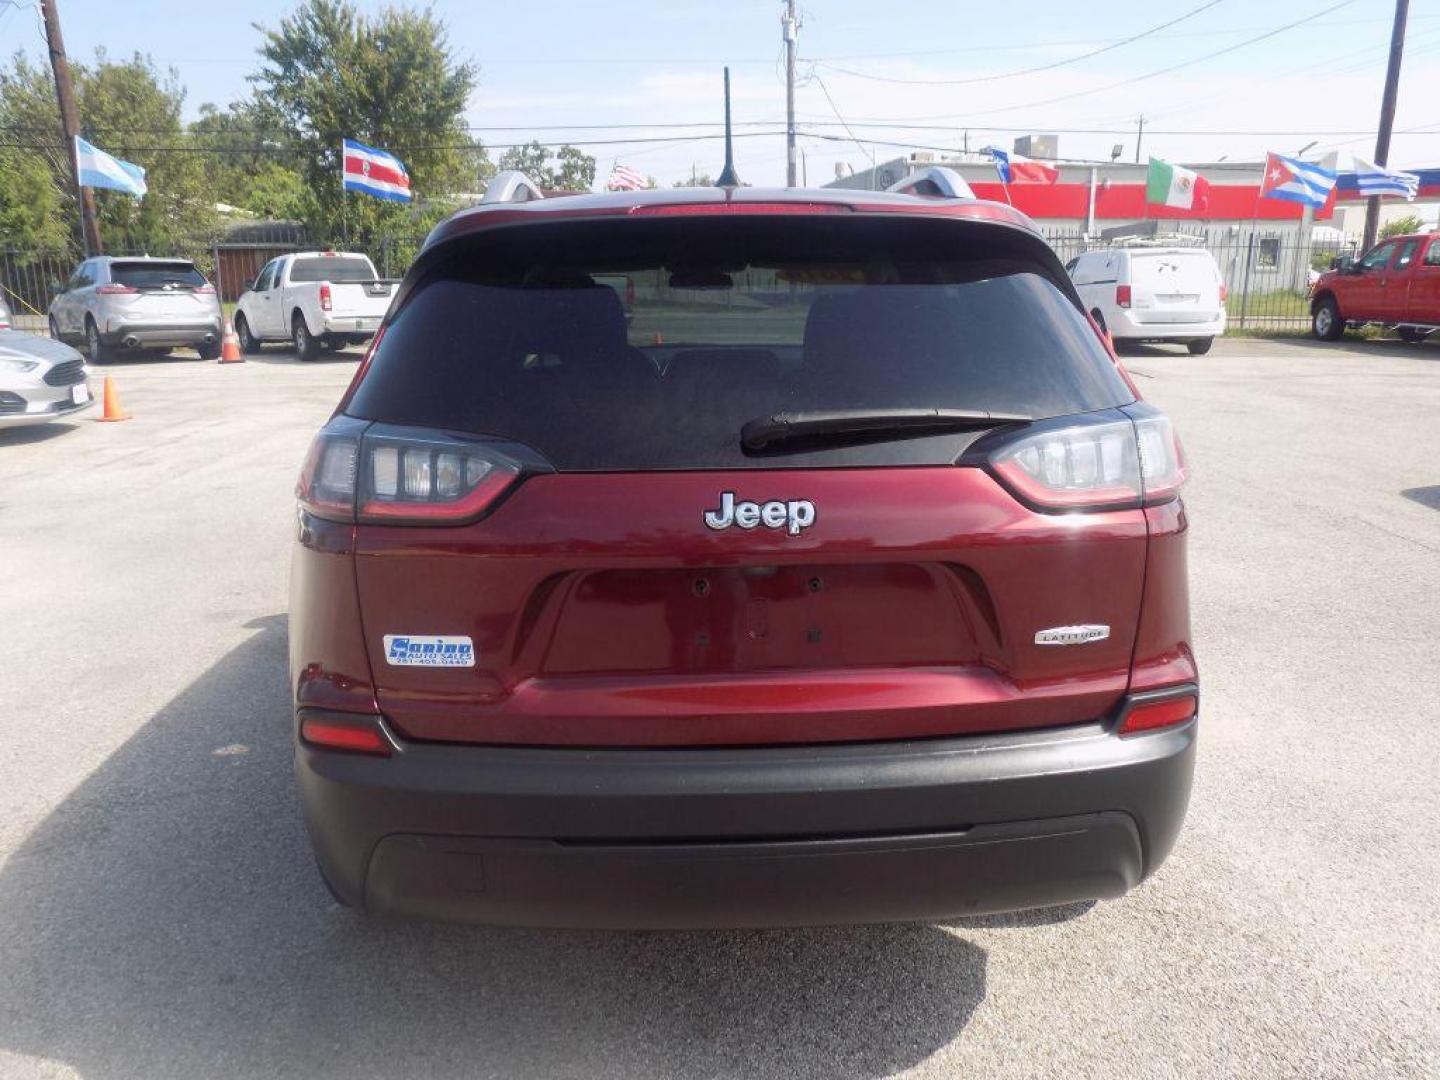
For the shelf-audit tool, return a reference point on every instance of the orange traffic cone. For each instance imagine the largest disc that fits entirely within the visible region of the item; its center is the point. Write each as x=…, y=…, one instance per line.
x=112, y=404
x=230, y=346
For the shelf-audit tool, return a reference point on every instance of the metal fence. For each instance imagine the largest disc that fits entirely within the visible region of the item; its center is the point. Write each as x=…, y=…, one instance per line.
x=1268, y=273
x=30, y=279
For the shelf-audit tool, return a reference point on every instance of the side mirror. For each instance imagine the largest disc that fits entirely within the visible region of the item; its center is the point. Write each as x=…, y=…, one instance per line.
x=1345, y=264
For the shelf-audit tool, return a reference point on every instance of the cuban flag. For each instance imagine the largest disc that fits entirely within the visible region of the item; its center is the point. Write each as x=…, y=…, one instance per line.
x=1293, y=180
x=1371, y=179
x=1016, y=169
x=98, y=169
x=374, y=172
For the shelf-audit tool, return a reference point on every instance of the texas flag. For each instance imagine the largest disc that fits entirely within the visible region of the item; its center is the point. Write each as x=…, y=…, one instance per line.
x=374, y=172
x=1292, y=180
x=1015, y=169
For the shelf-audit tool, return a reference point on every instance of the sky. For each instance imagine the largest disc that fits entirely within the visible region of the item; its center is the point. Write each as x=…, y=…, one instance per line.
x=872, y=74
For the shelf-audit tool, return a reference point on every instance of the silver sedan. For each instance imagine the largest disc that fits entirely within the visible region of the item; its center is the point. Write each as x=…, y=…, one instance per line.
x=40, y=380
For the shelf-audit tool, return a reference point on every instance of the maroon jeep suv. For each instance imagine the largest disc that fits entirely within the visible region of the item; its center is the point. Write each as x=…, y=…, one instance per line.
x=723, y=557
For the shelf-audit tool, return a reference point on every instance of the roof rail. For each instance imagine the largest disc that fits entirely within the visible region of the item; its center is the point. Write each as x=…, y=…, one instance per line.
x=936, y=182
x=511, y=186
x=1159, y=240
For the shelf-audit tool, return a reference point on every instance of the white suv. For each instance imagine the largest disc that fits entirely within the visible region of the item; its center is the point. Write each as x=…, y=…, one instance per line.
x=1174, y=294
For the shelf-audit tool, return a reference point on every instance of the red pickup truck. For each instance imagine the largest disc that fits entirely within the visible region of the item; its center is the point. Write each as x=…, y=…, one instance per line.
x=1396, y=283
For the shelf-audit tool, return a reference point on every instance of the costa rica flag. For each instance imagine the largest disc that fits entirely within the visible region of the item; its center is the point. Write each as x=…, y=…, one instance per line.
x=374, y=172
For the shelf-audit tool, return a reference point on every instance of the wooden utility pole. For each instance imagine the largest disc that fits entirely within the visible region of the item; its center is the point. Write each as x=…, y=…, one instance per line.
x=791, y=26
x=70, y=123
x=1387, y=114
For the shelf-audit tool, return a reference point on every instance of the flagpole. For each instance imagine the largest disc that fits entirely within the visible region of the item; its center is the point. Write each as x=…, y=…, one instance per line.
x=1250, y=248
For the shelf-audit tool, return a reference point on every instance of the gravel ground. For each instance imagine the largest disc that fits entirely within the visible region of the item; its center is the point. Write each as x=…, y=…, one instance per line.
x=160, y=917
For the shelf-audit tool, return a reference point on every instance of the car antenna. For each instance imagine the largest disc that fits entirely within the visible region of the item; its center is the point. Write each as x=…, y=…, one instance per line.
x=728, y=177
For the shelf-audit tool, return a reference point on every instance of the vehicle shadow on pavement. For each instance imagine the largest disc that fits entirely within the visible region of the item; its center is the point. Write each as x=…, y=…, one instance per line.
x=34, y=433
x=288, y=359
x=166, y=920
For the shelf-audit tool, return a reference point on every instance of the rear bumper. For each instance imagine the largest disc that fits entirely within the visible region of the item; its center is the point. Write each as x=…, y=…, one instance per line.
x=1128, y=324
x=754, y=837
x=151, y=335
x=339, y=324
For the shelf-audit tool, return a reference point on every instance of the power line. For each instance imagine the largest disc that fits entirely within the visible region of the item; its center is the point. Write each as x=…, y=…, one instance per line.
x=1154, y=74
x=1032, y=70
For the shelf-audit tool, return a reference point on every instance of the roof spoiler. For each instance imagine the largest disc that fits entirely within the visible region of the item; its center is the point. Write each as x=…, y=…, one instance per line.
x=510, y=187
x=935, y=182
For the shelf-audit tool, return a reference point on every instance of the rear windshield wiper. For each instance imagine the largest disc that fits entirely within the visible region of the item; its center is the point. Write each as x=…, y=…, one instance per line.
x=838, y=424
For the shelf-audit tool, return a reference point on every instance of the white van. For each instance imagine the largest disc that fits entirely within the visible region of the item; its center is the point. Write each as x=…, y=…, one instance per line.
x=1153, y=293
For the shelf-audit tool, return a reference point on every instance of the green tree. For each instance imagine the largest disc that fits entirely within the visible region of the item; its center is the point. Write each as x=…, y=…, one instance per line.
x=127, y=108
x=253, y=165
x=565, y=169
x=1403, y=226
x=696, y=179
x=389, y=80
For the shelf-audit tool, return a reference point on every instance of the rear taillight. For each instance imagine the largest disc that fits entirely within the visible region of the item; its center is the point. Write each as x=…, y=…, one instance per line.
x=204, y=290
x=325, y=296
x=1224, y=292
x=411, y=478
x=1110, y=464
x=1122, y=296
x=1151, y=715
x=114, y=289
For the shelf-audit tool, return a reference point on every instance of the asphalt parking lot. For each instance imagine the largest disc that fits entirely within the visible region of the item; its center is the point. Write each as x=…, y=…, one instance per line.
x=160, y=916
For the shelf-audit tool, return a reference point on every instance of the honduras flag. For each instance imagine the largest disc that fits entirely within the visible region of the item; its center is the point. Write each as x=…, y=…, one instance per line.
x=374, y=172
x=1372, y=179
x=1293, y=180
x=98, y=169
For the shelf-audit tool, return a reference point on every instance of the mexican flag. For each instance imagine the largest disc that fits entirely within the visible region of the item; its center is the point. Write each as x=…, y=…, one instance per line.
x=1170, y=185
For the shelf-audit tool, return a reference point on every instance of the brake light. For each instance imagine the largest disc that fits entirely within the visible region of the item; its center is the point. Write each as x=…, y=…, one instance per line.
x=1224, y=292
x=402, y=478
x=337, y=732
x=324, y=296
x=1150, y=715
x=114, y=288
x=1113, y=464
x=742, y=208
x=205, y=290
x=1122, y=296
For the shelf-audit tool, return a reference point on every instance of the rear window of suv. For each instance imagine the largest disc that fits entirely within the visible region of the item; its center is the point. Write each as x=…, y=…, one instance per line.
x=649, y=345
x=336, y=269
x=156, y=275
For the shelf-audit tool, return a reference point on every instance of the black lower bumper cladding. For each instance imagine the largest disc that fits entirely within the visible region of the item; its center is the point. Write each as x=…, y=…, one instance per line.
x=921, y=830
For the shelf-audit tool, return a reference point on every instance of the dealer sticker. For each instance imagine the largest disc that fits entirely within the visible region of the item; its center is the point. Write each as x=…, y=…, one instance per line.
x=429, y=650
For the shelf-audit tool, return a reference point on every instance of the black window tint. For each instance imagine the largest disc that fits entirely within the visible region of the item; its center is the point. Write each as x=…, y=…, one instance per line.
x=657, y=362
x=332, y=268
x=156, y=275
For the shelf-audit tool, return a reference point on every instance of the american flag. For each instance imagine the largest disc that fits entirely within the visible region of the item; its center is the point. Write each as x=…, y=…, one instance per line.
x=624, y=178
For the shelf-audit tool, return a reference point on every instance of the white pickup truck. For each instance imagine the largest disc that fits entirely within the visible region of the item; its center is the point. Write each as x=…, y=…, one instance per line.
x=314, y=300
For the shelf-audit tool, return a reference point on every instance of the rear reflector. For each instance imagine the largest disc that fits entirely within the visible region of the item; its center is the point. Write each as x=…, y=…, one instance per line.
x=332, y=732
x=1150, y=715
